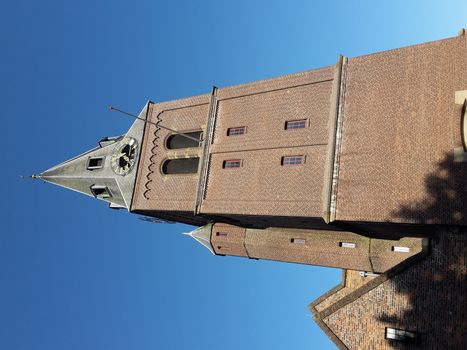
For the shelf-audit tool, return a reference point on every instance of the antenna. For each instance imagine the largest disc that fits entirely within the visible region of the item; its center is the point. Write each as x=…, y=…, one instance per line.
x=155, y=124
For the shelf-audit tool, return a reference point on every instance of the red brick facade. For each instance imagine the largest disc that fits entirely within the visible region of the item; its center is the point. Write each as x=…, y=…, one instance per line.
x=314, y=247
x=372, y=143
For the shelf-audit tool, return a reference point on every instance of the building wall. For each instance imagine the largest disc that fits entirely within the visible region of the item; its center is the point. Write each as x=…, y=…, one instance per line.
x=309, y=247
x=397, y=127
x=154, y=190
x=313, y=247
x=228, y=240
x=263, y=108
x=400, y=126
x=262, y=186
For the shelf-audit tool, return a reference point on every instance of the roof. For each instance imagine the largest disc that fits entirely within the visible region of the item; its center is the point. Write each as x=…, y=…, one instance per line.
x=77, y=175
x=425, y=294
x=203, y=236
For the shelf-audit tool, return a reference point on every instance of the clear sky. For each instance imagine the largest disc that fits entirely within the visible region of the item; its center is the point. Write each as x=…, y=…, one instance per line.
x=76, y=275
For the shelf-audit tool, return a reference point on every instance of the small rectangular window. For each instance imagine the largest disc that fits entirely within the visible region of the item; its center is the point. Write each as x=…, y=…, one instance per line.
x=399, y=335
x=298, y=240
x=100, y=191
x=401, y=249
x=232, y=163
x=347, y=245
x=241, y=130
x=293, y=160
x=95, y=163
x=295, y=124
x=223, y=234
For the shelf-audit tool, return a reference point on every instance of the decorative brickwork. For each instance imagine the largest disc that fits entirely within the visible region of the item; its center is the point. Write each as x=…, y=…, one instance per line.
x=156, y=191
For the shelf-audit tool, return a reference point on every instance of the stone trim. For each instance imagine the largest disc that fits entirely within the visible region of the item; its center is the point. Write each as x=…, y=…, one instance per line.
x=337, y=143
x=337, y=288
x=333, y=121
x=207, y=140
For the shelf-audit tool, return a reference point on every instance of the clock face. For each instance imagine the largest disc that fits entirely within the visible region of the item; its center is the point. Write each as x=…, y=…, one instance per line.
x=124, y=156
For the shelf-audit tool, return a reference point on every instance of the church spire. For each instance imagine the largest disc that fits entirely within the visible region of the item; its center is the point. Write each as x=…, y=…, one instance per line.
x=106, y=172
x=203, y=236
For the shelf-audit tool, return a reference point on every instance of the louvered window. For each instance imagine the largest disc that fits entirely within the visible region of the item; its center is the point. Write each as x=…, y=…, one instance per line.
x=292, y=160
x=241, y=130
x=295, y=124
x=232, y=163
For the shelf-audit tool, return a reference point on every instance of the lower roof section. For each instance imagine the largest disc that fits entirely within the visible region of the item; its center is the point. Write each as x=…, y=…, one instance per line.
x=424, y=295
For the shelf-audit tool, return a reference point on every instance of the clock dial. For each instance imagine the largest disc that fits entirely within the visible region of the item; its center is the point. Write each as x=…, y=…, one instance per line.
x=124, y=156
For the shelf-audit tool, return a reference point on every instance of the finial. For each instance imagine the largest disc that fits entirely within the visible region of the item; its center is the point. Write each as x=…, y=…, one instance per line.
x=33, y=176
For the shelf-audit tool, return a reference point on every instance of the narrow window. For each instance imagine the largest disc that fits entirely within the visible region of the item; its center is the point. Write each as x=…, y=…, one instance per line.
x=401, y=249
x=232, y=163
x=241, y=130
x=399, y=335
x=177, y=141
x=295, y=124
x=223, y=234
x=298, y=240
x=100, y=191
x=95, y=163
x=180, y=166
x=347, y=245
x=293, y=160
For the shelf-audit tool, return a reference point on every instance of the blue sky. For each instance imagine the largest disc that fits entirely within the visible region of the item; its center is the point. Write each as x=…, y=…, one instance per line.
x=76, y=275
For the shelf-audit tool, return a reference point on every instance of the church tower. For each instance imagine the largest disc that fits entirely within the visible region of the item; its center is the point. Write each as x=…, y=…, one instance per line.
x=361, y=165
x=325, y=167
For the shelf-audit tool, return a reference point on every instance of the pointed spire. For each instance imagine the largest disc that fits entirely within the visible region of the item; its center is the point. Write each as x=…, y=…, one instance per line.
x=203, y=236
x=106, y=172
x=78, y=174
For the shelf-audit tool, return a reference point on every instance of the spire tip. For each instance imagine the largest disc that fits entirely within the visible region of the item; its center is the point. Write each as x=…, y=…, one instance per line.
x=33, y=176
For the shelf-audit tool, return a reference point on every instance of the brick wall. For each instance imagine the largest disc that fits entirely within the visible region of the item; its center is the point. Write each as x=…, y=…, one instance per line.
x=262, y=186
x=312, y=247
x=154, y=190
x=400, y=126
x=228, y=240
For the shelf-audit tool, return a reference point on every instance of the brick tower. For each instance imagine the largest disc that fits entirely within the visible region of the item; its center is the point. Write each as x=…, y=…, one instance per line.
x=338, y=166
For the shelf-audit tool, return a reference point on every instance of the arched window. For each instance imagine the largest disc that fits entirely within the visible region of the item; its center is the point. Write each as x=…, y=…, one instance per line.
x=180, y=166
x=177, y=141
